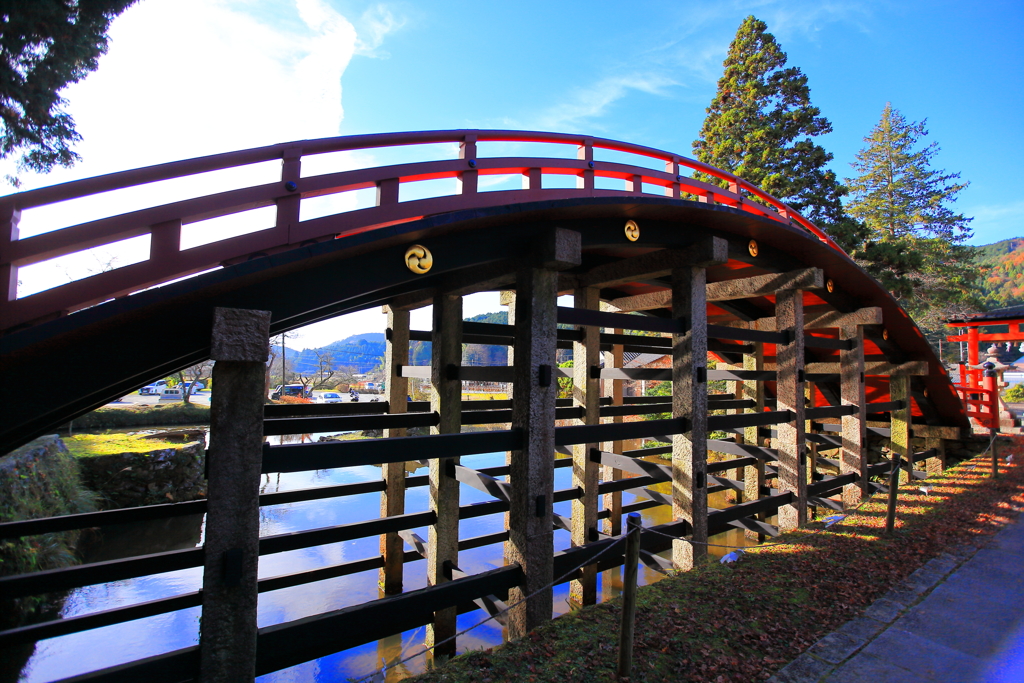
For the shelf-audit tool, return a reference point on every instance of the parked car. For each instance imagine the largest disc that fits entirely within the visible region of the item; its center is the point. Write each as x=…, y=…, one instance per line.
x=329, y=397
x=188, y=385
x=290, y=390
x=156, y=387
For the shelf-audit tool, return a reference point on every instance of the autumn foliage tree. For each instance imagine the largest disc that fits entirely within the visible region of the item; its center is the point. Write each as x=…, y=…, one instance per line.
x=760, y=126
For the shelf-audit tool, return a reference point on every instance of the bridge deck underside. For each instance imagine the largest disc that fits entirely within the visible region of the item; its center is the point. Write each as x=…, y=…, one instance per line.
x=122, y=344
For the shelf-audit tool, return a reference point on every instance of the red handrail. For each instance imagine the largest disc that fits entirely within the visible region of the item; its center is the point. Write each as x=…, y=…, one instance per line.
x=163, y=223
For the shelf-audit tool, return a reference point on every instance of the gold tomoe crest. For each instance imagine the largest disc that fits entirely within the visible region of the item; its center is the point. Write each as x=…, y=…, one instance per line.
x=418, y=259
x=632, y=231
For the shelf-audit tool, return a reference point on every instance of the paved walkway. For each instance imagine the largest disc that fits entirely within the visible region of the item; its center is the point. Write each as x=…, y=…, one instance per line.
x=958, y=619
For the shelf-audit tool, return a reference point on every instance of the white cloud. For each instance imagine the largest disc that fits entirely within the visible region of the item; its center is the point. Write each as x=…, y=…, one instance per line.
x=188, y=78
x=588, y=103
x=374, y=24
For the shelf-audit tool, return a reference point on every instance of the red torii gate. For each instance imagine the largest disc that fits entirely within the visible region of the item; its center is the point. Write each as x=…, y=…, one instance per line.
x=978, y=385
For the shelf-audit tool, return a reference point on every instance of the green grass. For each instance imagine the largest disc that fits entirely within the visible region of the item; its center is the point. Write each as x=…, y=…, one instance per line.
x=88, y=445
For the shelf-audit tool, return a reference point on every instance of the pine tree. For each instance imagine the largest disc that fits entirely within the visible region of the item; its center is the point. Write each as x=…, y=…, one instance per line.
x=46, y=46
x=759, y=126
x=917, y=244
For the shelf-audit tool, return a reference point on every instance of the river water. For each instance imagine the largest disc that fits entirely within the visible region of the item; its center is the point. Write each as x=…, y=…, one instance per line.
x=65, y=656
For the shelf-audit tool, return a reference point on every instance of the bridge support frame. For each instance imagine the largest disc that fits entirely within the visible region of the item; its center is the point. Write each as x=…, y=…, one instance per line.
x=227, y=640
x=613, y=389
x=446, y=401
x=790, y=441
x=531, y=468
x=392, y=500
x=585, y=394
x=853, y=456
x=755, y=479
x=690, y=401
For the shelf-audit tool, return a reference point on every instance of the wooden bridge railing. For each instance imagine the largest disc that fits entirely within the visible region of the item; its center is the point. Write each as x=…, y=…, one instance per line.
x=163, y=224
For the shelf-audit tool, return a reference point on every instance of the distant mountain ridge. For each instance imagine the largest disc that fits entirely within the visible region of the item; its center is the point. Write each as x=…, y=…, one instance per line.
x=1002, y=266
x=364, y=352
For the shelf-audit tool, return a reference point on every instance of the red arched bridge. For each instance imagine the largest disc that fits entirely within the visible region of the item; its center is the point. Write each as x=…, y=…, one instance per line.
x=310, y=270
x=821, y=365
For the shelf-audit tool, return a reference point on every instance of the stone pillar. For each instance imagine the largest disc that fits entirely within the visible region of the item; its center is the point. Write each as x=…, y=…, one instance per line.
x=227, y=638
x=754, y=481
x=690, y=401
x=854, y=454
x=392, y=500
x=613, y=388
x=531, y=469
x=446, y=401
x=899, y=439
x=586, y=394
x=790, y=443
x=937, y=463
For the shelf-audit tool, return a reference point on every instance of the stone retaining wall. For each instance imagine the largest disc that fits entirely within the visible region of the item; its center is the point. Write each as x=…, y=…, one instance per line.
x=168, y=475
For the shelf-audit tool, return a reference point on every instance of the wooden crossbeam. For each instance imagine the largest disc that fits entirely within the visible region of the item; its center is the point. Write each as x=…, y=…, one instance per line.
x=728, y=290
x=733, y=484
x=871, y=368
x=414, y=540
x=755, y=525
x=871, y=315
x=707, y=252
x=651, y=494
x=482, y=482
x=765, y=285
x=825, y=503
x=635, y=465
x=732, y=448
x=655, y=562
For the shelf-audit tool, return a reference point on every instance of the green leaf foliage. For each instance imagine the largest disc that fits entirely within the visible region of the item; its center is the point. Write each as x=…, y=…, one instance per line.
x=917, y=244
x=46, y=46
x=760, y=126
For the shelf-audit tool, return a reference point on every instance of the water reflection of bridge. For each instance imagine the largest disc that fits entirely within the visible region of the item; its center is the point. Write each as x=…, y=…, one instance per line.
x=820, y=363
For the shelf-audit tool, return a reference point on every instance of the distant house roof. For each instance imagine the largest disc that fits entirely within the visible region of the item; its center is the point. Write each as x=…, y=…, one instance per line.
x=996, y=315
x=639, y=360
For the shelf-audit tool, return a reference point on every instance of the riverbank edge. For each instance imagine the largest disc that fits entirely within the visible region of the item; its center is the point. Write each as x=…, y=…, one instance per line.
x=126, y=417
x=745, y=621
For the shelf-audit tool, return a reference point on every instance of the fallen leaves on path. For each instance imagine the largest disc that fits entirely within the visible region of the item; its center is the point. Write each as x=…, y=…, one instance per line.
x=744, y=621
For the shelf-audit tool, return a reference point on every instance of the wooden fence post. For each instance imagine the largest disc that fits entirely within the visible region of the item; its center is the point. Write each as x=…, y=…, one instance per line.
x=392, y=500
x=629, y=573
x=227, y=639
x=790, y=442
x=446, y=401
x=690, y=401
x=531, y=469
x=586, y=394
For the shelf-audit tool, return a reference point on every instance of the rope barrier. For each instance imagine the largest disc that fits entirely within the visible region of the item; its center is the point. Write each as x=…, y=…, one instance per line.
x=562, y=578
x=379, y=674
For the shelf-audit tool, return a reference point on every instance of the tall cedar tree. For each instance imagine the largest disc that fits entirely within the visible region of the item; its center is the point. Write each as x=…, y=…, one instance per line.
x=917, y=244
x=46, y=46
x=759, y=126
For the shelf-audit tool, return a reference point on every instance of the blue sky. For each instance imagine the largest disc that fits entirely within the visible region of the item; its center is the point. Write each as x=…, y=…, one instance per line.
x=192, y=77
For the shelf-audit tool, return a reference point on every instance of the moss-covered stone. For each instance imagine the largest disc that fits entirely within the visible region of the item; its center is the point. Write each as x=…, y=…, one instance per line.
x=153, y=472
x=40, y=479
